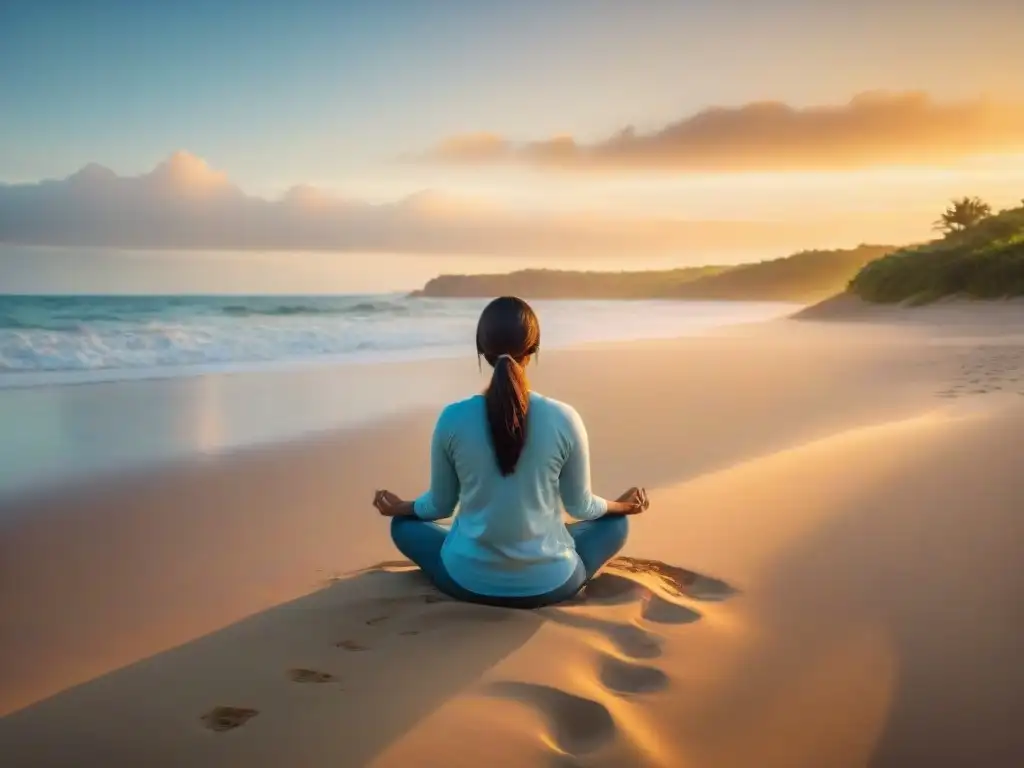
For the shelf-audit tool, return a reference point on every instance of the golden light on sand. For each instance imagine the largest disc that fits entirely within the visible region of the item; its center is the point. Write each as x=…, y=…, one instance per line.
x=829, y=707
x=208, y=431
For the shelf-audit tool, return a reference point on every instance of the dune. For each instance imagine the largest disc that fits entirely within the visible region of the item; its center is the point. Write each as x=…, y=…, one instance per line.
x=827, y=577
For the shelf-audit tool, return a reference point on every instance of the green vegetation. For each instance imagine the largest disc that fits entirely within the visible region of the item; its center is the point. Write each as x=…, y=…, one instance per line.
x=981, y=257
x=963, y=214
x=803, y=277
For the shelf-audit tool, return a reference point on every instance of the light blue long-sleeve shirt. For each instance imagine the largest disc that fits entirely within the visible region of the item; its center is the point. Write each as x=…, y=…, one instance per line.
x=508, y=538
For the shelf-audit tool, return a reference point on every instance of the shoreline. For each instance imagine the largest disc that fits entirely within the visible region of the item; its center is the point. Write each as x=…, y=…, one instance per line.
x=442, y=379
x=126, y=427
x=565, y=331
x=836, y=309
x=69, y=378
x=151, y=420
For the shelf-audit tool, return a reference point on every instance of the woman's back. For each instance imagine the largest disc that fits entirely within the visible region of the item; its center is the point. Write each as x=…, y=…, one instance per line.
x=508, y=537
x=510, y=459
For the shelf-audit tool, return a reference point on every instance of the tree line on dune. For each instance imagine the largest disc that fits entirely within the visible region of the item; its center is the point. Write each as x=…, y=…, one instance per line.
x=979, y=255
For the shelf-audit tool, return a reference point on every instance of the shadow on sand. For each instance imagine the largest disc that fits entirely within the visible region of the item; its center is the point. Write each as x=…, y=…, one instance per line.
x=334, y=677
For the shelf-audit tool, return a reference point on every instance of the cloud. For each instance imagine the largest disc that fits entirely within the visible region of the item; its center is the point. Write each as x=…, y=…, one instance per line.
x=873, y=129
x=183, y=204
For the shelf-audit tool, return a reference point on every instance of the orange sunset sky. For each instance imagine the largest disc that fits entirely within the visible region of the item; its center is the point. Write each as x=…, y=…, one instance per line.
x=273, y=147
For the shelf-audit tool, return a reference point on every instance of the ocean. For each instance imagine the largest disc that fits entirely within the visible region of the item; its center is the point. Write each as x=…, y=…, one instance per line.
x=48, y=340
x=155, y=368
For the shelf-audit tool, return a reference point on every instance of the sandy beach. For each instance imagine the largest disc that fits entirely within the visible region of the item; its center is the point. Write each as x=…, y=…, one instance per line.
x=828, y=576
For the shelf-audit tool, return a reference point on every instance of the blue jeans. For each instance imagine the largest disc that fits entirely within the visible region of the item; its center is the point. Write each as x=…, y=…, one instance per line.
x=597, y=542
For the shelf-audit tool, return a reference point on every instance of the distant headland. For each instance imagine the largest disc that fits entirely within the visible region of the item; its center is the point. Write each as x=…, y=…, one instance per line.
x=980, y=255
x=803, y=277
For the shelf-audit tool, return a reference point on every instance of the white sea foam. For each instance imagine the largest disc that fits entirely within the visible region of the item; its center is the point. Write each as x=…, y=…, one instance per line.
x=46, y=340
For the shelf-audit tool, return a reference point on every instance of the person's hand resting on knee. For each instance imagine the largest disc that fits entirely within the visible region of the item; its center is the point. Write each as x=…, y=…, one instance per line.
x=391, y=505
x=632, y=502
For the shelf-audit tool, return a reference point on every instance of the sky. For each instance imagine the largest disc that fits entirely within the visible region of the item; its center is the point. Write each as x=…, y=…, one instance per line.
x=479, y=135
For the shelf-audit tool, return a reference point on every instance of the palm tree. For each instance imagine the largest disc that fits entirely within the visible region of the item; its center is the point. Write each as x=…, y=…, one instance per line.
x=963, y=214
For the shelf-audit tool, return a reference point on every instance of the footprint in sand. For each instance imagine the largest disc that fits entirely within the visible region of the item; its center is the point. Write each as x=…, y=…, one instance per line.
x=626, y=678
x=227, y=718
x=634, y=642
x=628, y=639
x=351, y=645
x=660, y=611
x=618, y=585
x=576, y=725
x=612, y=589
x=300, y=675
x=376, y=620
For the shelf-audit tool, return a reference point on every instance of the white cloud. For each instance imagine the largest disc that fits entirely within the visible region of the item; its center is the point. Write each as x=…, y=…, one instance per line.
x=872, y=129
x=183, y=204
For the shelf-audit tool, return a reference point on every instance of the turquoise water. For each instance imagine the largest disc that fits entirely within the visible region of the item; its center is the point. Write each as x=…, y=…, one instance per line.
x=63, y=339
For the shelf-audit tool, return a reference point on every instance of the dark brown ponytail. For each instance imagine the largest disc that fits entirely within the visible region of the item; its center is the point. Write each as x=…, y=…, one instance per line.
x=508, y=399
x=507, y=335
